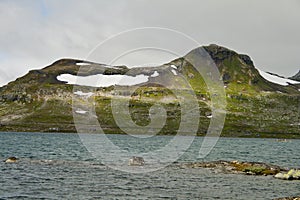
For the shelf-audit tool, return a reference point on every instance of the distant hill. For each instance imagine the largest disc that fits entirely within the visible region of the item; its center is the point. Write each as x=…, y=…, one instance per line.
x=259, y=104
x=296, y=76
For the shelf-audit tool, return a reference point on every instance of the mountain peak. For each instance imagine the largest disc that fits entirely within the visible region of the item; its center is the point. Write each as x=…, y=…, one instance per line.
x=220, y=53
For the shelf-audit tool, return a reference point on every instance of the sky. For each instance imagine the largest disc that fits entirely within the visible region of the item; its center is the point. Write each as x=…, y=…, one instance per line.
x=35, y=33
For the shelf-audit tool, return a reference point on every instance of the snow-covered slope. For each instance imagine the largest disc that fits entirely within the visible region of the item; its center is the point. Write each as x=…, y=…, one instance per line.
x=277, y=79
x=101, y=80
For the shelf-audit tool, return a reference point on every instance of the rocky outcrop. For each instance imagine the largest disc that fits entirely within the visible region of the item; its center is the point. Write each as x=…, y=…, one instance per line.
x=219, y=53
x=11, y=160
x=246, y=59
x=293, y=174
x=21, y=97
x=237, y=167
x=136, y=161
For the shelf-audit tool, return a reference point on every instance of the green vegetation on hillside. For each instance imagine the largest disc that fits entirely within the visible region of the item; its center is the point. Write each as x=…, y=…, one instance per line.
x=255, y=107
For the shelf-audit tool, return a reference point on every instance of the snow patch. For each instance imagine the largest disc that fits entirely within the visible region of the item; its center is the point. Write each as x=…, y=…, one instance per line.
x=80, y=93
x=155, y=74
x=174, y=72
x=101, y=80
x=82, y=112
x=108, y=66
x=174, y=66
x=86, y=64
x=276, y=79
x=83, y=63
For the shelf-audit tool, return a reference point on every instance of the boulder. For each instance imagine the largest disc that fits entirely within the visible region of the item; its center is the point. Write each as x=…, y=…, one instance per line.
x=11, y=160
x=293, y=174
x=283, y=176
x=136, y=161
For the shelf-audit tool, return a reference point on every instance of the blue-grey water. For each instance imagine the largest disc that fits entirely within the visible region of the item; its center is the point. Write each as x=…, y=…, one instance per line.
x=58, y=166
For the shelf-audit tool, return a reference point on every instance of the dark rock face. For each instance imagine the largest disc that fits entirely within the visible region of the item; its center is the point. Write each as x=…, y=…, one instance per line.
x=246, y=59
x=10, y=97
x=15, y=97
x=226, y=77
x=218, y=53
x=296, y=77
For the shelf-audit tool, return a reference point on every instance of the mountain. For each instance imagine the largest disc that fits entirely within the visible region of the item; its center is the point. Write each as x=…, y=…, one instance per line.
x=259, y=104
x=296, y=77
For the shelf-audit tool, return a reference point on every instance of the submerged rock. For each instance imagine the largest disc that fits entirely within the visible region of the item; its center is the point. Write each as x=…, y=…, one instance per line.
x=136, y=161
x=11, y=160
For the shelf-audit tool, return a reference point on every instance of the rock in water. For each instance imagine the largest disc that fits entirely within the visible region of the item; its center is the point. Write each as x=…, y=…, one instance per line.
x=288, y=198
x=293, y=174
x=11, y=160
x=283, y=176
x=136, y=161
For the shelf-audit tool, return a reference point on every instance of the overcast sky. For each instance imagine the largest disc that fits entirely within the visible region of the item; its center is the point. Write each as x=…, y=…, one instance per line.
x=36, y=33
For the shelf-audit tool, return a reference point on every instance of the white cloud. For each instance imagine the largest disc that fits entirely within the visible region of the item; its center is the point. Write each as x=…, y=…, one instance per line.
x=36, y=33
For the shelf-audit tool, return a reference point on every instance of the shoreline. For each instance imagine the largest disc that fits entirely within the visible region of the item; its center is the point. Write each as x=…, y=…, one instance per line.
x=280, y=139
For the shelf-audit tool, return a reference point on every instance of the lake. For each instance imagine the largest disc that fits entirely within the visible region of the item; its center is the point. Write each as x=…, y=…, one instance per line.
x=58, y=166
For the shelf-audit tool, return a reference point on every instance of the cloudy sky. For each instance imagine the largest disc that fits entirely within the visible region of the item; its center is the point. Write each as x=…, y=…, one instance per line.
x=35, y=33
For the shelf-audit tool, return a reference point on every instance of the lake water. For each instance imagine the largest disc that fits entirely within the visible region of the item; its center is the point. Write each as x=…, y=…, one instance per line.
x=58, y=166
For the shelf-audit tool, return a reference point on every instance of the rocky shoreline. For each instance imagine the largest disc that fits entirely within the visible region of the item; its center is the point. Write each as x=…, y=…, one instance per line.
x=246, y=168
x=222, y=166
x=237, y=167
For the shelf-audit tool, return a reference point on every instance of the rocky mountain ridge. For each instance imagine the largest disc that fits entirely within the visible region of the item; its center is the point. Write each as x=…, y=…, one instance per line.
x=256, y=107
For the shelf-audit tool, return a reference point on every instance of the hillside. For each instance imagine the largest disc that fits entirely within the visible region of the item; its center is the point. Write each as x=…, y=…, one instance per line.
x=257, y=105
